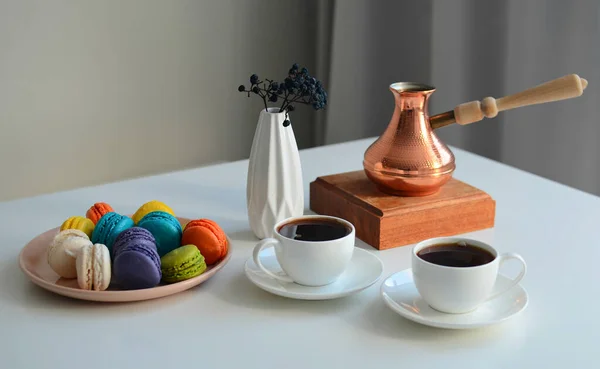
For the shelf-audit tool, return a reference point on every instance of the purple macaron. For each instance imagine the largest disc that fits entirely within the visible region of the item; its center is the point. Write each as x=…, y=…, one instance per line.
x=136, y=262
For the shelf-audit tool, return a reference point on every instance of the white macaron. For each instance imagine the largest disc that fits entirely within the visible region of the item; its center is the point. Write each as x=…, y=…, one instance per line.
x=93, y=267
x=63, y=249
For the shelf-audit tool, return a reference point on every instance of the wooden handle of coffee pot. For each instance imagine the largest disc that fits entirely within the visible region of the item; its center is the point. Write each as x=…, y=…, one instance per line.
x=562, y=88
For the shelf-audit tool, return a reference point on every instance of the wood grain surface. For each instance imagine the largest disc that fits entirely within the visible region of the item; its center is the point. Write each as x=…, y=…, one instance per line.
x=384, y=221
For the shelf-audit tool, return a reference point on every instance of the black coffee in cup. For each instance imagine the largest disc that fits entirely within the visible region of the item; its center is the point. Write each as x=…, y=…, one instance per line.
x=314, y=229
x=459, y=254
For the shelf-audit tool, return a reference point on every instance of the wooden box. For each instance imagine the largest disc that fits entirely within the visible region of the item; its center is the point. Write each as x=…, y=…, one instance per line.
x=384, y=221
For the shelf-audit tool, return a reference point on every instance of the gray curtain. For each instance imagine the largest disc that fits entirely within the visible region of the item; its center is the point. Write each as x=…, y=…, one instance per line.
x=469, y=49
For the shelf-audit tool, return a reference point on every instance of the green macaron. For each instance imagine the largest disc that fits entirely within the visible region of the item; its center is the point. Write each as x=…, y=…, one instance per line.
x=183, y=263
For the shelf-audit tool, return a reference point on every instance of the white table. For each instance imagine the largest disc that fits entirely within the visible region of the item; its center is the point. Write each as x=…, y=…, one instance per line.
x=229, y=323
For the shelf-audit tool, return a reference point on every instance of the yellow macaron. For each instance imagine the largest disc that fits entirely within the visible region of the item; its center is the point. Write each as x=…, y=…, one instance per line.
x=78, y=222
x=150, y=207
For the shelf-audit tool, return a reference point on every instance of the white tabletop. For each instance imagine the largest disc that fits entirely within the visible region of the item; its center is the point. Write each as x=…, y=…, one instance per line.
x=229, y=323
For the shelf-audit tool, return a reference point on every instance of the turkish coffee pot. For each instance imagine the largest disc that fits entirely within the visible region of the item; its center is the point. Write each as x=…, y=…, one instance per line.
x=409, y=159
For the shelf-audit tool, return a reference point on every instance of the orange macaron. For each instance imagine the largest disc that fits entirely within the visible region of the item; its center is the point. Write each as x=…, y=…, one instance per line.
x=97, y=211
x=208, y=237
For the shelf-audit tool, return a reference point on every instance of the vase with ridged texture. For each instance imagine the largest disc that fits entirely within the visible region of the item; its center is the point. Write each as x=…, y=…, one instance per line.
x=274, y=189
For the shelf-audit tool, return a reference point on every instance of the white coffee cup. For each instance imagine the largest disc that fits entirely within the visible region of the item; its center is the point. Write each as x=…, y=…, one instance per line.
x=460, y=289
x=309, y=263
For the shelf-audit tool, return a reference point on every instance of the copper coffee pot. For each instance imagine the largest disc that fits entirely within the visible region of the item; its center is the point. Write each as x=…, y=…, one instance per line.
x=408, y=159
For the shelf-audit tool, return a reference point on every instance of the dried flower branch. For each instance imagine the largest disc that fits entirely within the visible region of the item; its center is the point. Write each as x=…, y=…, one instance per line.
x=297, y=88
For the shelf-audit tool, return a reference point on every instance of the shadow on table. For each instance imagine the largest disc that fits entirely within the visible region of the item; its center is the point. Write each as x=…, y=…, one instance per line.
x=364, y=311
x=244, y=235
x=239, y=291
x=235, y=288
x=17, y=291
x=378, y=319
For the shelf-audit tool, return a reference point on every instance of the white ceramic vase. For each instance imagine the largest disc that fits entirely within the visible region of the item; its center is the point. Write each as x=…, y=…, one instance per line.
x=274, y=190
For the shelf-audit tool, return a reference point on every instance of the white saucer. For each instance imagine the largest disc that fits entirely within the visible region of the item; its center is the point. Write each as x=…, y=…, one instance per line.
x=400, y=294
x=364, y=270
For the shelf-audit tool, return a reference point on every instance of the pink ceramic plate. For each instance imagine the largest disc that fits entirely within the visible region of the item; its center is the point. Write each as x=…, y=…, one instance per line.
x=33, y=262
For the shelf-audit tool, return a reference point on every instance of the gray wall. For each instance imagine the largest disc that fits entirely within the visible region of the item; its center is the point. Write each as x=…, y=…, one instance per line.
x=92, y=92
x=470, y=49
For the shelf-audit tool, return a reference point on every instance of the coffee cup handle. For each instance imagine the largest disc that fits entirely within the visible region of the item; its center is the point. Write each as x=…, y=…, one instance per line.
x=256, y=256
x=505, y=257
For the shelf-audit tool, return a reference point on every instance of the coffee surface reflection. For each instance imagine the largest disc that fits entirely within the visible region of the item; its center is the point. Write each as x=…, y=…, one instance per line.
x=460, y=255
x=314, y=229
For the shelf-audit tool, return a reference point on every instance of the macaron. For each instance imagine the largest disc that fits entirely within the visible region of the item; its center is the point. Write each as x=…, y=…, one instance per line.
x=150, y=207
x=97, y=211
x=165, y=228
x=183, y=263
x=208, y=237
x=93, y=267
x=133, y=234
x=78, y=222
x=63, y=250
x=109, y=227
x=136, y=263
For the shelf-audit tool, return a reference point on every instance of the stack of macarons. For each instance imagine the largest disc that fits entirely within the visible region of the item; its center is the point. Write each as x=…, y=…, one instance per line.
x=107, y=248
x=136, y=263
x=72, y=255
